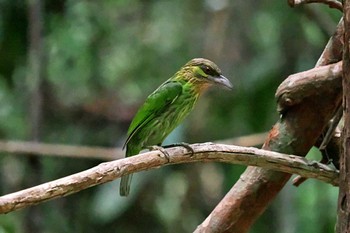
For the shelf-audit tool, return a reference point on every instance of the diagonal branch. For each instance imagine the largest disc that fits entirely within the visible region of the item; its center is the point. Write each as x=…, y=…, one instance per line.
x=205, y=152
x=301, y=124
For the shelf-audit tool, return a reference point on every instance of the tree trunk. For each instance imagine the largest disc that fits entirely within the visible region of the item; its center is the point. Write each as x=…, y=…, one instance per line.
x=343, y=224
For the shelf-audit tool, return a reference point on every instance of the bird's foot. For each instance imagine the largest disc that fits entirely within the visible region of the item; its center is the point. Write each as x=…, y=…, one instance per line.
x=313, y=163
x=183, y=144
x=161, y=149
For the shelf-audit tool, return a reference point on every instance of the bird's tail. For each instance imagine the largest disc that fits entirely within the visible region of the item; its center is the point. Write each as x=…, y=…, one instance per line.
x=124, y=188
x=125, y=181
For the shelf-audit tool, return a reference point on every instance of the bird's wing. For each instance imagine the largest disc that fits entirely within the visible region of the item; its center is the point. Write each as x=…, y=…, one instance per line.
x=155, y=104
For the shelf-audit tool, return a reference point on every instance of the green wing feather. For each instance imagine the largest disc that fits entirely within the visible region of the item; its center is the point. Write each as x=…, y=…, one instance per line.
x=155, y=104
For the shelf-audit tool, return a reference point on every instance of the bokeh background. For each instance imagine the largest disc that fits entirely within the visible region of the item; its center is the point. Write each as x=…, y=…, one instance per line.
x=82, y=80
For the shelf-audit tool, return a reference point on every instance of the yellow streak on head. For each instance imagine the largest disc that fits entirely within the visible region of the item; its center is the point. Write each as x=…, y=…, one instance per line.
x=191, y=74
x=199, y=79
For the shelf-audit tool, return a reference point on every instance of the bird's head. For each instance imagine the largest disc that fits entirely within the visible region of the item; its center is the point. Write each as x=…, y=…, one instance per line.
x=204, y=73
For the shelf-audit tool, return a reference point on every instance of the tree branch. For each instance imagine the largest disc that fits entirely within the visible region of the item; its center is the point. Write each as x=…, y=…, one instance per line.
x=333, y=51
x=205, y=152
x=331, y=3
x=294, y=133
x=298, y=87
x=46, y=149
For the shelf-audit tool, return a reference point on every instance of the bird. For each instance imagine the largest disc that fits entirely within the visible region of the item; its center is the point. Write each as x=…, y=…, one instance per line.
x=165, y=108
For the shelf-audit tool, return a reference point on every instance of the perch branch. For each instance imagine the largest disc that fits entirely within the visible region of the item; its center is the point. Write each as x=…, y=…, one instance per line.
x=205, y=152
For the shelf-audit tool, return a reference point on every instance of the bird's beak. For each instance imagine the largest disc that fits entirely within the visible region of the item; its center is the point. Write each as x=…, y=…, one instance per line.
x=221, y=80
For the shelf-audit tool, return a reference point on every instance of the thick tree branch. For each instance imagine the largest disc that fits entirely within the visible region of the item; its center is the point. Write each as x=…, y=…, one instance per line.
x=333, y=51
x=205, y=152
x=298, y=87
x=331, y=54
x=295, y=133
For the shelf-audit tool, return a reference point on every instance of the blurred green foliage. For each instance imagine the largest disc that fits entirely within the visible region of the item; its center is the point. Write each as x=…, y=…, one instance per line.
x=102, y=58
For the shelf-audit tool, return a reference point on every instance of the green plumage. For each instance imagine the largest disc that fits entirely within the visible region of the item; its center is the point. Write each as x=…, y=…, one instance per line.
x=167, y=106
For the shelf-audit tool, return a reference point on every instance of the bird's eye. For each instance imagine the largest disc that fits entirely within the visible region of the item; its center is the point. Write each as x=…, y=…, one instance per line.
x=206, y=69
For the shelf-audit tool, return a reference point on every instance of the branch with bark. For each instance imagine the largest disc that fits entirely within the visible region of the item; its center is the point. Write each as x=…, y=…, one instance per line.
x=205, y=152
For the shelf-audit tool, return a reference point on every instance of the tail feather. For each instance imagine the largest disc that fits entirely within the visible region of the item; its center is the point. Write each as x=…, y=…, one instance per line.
x=125, y=181
x=124, y=187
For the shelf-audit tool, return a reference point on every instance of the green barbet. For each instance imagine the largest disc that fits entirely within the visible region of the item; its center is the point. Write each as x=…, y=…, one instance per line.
x=167, y=106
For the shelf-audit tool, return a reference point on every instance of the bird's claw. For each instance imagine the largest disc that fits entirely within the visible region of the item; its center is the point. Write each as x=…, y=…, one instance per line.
x=313, y=164
x=183, y=144
x=161, y=149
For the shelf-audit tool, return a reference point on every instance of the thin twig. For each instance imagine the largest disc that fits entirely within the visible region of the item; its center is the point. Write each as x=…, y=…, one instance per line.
x=46, y=149
x=205, y=152
x=256, y=139
x=331, y=3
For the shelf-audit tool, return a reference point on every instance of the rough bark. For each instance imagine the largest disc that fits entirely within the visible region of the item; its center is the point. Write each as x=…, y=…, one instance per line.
x=302, y=122
x=343, y=223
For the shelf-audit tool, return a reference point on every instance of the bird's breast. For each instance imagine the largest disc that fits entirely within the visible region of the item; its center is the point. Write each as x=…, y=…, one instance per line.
x=162, y=125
